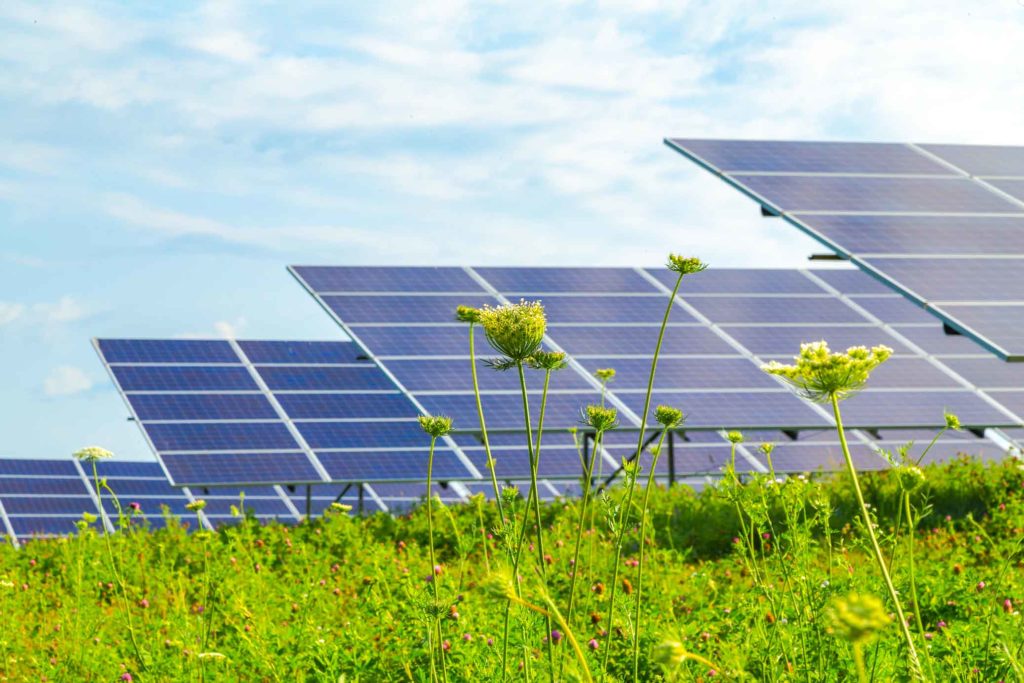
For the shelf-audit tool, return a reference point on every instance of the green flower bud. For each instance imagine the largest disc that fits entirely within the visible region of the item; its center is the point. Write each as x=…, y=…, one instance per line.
x=435, y=425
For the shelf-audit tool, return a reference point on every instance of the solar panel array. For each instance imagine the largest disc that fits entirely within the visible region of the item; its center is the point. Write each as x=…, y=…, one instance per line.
x=727, y=322
x=943, y=224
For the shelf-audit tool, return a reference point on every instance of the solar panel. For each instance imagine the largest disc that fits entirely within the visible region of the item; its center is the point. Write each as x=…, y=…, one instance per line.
x=385, y=279
x=300, y=352
x=167, y=351
x=384, y=466
x=184, y=407
x=948, y=237
x=740, y=281
x=357, y=309
x=183, y=378
x=554, y=280
x=428, y=374
x=783, y=309
x=241, y=468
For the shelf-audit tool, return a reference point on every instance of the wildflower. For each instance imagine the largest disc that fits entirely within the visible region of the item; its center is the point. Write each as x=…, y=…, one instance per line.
x=509, y=494
x=88, y=517
x=340, y=507
x=857, y=617
x=436, y=425
x=766, y=449
x=670, y=653
x=446, y=645
x=1007, y=605
x=126, y=676
x=940, y=625
x=467, y=314
x=952, y=421
x=547, y=360
x=196, y=505
x=669, y=417
x=514, y=330
x=734, y=437
x=93, y=454
x=819, y=374
x=910, y=477
x=600, y=418
x=605, y=374
x=598, y=588
x=980, y=587
x=592, y=644
x=135, y=507
x=556, y=636
x=627, y=586
x=144, y=603
x=685, y=265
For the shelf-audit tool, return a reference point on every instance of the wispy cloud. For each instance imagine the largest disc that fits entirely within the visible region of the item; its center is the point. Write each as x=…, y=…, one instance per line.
x=66, y=380
x=9, y=312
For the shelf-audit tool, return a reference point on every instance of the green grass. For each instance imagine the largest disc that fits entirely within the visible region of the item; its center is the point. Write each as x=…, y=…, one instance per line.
x=344, y=597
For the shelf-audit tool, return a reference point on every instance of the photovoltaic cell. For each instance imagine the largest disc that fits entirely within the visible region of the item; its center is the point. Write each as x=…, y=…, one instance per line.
x=810, y=157
x=27, y=527
x=362, y=435
x=740, y=281
x=895, y=310
x=505, y=411
x=795, y=194
x=167, y=351
x=222, y=436
x=1001, y=323
x=608, y=340
x=17, y=467
x=421, y=341
x=346, y=406
x=774, y=310
x=935, y=340
x=515, y=463
x=186, y=407
x=683, y=373
x=232, y=468
x=944, y=279
x=988, y=372
x=356, y=309
x=919, y=408
x=786, y=341
x=851, y=282
x=860, y=234
x=982, y=160
x=551, y=280
x=49, y=505
x=41, y=486
x=301, y=352
x=386, y=279
x=184, y=378
x=610, y=309
x=125, y=469
x=324, y=378
x=452, y=375
x=734, y=410
x=392, y=465
x=910, y=373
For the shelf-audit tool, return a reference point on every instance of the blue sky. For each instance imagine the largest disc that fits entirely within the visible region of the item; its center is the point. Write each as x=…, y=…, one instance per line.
x=161, y=163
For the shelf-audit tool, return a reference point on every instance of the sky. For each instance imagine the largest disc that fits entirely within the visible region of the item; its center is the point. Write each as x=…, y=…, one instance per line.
x=162, y=163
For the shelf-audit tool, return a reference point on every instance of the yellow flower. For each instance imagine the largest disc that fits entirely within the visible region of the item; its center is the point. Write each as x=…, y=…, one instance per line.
x=668, y=417
x=600, y=418
x=856, y=617
x=819, y=374
x=196, y=506
x=685, y=265
x=514, y=330
x=435, y=425
x=93, y=453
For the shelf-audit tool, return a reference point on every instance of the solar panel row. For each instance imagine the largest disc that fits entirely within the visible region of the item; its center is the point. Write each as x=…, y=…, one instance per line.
x=939, y=223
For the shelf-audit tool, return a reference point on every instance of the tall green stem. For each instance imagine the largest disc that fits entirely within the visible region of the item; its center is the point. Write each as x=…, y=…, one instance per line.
x=483, y=426
x=915, y=662
x=433, y=561
x=639, y=450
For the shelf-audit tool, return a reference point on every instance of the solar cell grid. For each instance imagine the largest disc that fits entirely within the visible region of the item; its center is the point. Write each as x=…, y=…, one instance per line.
x=957, y=279
x=386, y=279
x=610, y=309
x=123, y=469
x=981, y=160
x=860, y=234
x=21, y=467
x=782, y=309
x=324, y=378
x=684, y=373
x=360, y=310
x=377, y=466
x=515, y=463
x=234, y=468
x=988, y=372
x=183, y=378
x=454, y=375
x=362, y=435
x=919, y=409
x=740, y=281
x=201, y=407
x=347, y=406
x=1000, y=324
x=49, y=505
x=734, y=410
x=301, y=352
x=796, y=194
x=420, y=341
x=785, y=341
x=550, y=280
x=810, y=157
x=894, y=310
x=167, y=351
x=608, y=340
x=505, y=411
x=223, y=436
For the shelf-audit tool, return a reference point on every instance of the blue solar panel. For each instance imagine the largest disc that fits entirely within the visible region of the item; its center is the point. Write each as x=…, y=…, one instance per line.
x=183, y=378
x=786, y=341
x=921, y=234
x=202, y=407
x=911, y=373
x=392, y=465
x=150, y=507
x=455, y=375
x=261, y=507
x=988, y=372
x=356, y=309
x=363, y=434
x=944, y=452
x=610, y=309
x=851, y=282
x=120, y=469
x=19, y=467
x=1012, y=399
x=795, y=458
x=505, y=411
x=549, y=280
x=167, y=351
x=1014, y=188
x=49, y=505
x=386, y=279
x=858, y=193
x=734, y=410
x=982, y=160
x=598, y=340
x=300, y=352
x=1000, y=323
x=421, y=341
x=935, y=340
x=782, y=309
x=514, y=463
x=132, y=488
x=740, y=281
x=919, y=409
x=684, y=373
x=346, y=406
x=325, y=378
x=229, y=468
x=944, y=279
x=223, y=436
x=810, y=157
x=895, y=310
x=47, y=485
x=26, y=527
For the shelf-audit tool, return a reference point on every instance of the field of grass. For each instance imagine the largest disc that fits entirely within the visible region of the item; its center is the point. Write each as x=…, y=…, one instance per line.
x=343, y=598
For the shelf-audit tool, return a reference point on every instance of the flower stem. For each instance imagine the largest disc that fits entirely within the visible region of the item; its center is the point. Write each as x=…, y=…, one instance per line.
x=433, y=561
x=640, y=567
x=915, y=663
x=639, y=450
x=483, y=426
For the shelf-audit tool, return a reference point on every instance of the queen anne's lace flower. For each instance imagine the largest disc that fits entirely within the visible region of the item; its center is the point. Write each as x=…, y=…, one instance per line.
x=514, y=330
x=668, y=417
x=685, y=265
x=435, y=425
x=600, y=418
x=819, y=374
x=93, y=454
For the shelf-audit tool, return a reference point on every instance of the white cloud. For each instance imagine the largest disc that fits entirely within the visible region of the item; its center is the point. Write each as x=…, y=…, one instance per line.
x=65, y=310
x=66, y=380
x=10, y=312
x=234, y=46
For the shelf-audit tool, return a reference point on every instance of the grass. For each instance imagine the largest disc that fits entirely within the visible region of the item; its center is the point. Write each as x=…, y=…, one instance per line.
x=344, y=596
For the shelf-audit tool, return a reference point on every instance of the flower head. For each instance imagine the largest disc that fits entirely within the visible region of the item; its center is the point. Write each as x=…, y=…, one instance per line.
x=605, y=374
x=340, y=507
x=593, y=644
x=685, y=265
x=910, y=476
x=819, y=374
x=952, y=421
x=734, y=437
x=766, y=448
x=514, y=330
x=600, y=418
x=134, y=507
x=547, y=360
x=88, y=517
x=196, y=505
x=670, y=653
x=93, y=454
x=857, y=617
x=435, y=425
x=467, y=314
x=668, y=417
